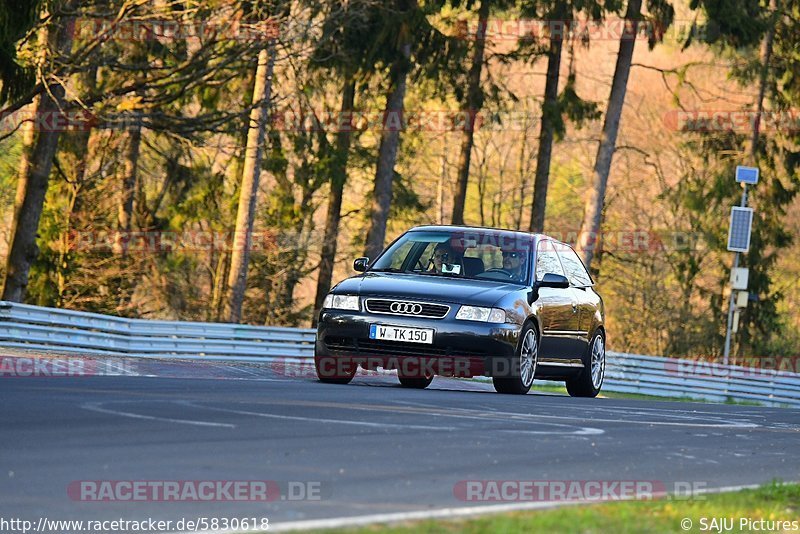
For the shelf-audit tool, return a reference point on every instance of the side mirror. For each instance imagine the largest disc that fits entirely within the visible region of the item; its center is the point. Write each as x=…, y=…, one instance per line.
x=360, y=264
x=553, y=280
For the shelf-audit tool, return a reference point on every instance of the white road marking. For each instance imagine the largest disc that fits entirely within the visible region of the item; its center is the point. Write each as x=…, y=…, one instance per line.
x=581, y=431
x=714, y=419
x=96, y=407
x=316, y=419
x=532, y=418
x=732, y=424
x=244, y=378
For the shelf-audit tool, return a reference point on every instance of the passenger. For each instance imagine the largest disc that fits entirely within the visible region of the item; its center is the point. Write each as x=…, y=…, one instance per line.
x=514, y=262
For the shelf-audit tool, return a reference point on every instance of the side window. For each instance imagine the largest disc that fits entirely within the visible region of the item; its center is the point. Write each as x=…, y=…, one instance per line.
x=547, y=261
x=576, y=272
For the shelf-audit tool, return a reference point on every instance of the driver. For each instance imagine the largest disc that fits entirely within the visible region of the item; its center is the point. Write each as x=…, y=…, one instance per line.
x=514, y=262
x=443, y=253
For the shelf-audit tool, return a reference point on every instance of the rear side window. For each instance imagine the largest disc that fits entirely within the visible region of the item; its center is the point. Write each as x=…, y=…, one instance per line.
x=576, y=272
x=547, y=260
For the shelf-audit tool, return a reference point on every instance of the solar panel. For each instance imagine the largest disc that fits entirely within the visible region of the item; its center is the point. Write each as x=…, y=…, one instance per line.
x=739, y=231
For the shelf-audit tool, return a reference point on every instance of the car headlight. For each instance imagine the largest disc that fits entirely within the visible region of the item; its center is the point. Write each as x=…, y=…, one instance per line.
x=486, y=315
x=341, y=302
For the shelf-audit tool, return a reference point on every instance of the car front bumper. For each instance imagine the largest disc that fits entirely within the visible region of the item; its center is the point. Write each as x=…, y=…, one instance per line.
x=459, y=348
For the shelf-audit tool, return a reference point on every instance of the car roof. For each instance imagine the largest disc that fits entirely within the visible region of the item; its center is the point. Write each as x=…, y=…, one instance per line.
x=533, y=236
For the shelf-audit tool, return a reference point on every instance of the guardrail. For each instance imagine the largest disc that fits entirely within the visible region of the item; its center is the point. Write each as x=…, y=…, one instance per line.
x=66, y=331
x=692, y=379
x=37, y=328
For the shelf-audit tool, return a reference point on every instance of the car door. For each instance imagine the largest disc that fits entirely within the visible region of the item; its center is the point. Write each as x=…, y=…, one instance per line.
x=556, y=311
x=580, y=284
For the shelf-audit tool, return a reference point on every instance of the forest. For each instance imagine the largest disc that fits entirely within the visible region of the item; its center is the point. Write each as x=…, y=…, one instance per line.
x=226, y=160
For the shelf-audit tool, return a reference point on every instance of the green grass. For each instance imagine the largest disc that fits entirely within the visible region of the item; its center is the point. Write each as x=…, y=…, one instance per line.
x=555, y=387
x=770, y=502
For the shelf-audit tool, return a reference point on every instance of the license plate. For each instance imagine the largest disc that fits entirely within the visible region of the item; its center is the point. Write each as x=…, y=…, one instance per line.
x=401, y=333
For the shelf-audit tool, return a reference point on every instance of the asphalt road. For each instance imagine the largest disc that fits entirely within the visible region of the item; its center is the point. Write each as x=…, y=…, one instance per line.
x=368, y=448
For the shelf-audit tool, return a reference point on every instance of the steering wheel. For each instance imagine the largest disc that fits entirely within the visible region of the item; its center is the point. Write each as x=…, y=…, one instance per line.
x=498, y=270
x=422, y=267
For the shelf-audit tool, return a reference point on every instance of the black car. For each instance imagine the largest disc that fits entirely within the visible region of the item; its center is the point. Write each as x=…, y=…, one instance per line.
x=464, y=301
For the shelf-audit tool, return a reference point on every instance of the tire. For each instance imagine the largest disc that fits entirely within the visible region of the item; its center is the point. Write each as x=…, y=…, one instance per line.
x=523, y=365
x=415, y=382
x=332, y=370
x=589, y=382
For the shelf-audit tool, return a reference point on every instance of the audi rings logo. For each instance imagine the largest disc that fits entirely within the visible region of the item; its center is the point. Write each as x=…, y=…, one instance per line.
x=406, y=308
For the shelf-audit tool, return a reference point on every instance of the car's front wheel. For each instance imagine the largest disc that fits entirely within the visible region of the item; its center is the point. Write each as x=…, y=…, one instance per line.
x=332, y=370
x=590, y=380
x=523, y=365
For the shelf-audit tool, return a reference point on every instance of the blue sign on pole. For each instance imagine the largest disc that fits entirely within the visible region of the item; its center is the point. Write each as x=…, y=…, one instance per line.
x=747, y=175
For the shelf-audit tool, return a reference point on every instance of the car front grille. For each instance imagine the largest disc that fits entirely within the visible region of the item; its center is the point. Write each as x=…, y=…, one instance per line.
x=407, y=308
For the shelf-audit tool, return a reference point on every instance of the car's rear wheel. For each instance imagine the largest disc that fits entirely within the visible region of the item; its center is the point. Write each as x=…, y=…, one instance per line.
x=332, y=370
x=523, y=365
x=590, y=380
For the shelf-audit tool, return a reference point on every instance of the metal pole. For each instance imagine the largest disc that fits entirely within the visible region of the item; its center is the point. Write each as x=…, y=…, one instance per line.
x=731, y=300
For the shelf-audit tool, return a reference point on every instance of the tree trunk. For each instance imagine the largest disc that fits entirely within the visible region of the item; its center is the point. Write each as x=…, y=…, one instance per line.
x=472, y=106
x=28, y=138
x=765, y=56
x=125, y=209
x=237, y=277
x=590, y=229
x=338, y=180
x=440, y=186
x=523, y=177
x=218, y=287
x=387, y=156
x=33, y=187
x=547, y=131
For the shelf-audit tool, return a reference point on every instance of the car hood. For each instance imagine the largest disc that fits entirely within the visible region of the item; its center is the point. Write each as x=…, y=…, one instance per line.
x=427, y=288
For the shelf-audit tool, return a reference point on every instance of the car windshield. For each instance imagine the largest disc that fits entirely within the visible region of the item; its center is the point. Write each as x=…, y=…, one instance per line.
x=478, y=254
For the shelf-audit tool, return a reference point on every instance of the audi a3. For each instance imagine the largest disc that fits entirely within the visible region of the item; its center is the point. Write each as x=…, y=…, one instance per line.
x=464, y=302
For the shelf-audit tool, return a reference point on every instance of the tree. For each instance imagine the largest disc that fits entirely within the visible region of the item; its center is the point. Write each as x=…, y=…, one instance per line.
x=343, y=48
x=128, y=189
x=237, y=278
x=558, y=17
x=23, y=250
x=387, y=152
x=407, y=40
x=471, y=106
x=590, y=228
x=333, y=215
x=550, y=113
